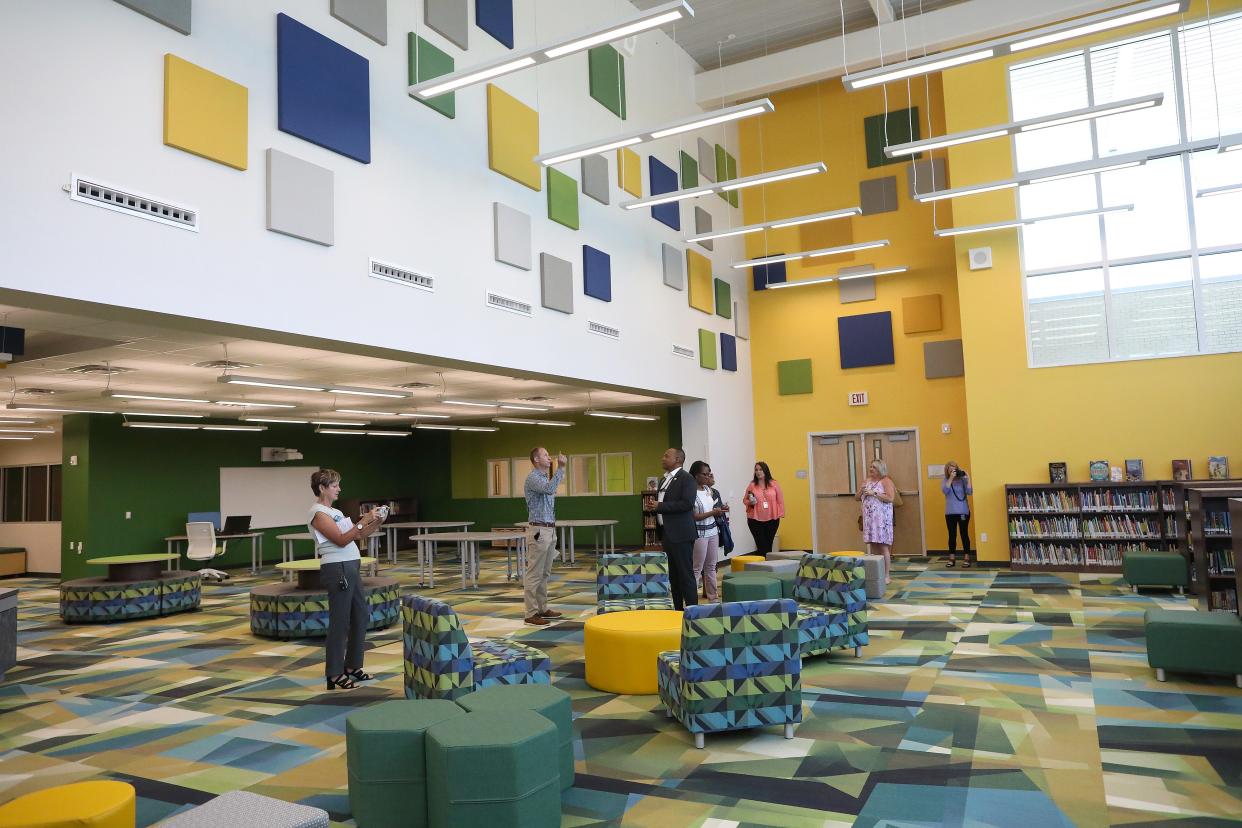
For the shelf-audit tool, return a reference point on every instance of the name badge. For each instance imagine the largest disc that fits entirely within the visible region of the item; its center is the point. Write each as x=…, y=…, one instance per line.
x=764, y=504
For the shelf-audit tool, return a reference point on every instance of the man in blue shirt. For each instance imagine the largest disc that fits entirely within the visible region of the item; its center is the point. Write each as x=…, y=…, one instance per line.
x=541, y=539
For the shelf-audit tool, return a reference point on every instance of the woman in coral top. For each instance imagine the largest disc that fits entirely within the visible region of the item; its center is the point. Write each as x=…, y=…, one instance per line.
x=765, y=506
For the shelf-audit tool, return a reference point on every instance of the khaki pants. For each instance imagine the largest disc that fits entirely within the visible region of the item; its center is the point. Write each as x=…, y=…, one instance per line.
x=540, y=549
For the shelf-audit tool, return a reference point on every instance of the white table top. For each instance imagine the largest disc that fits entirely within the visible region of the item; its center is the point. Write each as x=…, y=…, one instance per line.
x=578, y=523
x=295, y=536
x=468, y=536
x=428, y=524
x=219, y=536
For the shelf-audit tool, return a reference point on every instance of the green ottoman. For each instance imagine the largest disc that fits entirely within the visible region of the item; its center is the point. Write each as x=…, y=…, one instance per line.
x=544, y=699
x=745, y=586
x=492, y=769
x=1194, y=642
x=385, y=747
x=1155, y=569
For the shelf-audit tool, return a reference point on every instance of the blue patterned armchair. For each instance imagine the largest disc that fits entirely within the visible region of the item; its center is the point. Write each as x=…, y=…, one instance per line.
x=739, y=667
x=441, y=663
x=633, y=581
x=831, y=592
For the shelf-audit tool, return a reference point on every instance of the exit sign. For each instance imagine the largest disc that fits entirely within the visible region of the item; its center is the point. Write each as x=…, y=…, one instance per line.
x=858, y=398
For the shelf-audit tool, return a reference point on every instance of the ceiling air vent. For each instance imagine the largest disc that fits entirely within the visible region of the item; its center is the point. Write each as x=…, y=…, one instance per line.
x=402, y=276
x=89, y=191
x=225, y=365
x=504, y=303
x=683, y=351
x=603, y=330
x=35, y=392
x=102, y=370
x=536, y=398
x=414, y=385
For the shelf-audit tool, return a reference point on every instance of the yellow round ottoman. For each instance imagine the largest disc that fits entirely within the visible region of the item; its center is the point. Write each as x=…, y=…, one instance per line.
x=847, y=553
x=738, y=562
x=620, y=649
x=98, y=804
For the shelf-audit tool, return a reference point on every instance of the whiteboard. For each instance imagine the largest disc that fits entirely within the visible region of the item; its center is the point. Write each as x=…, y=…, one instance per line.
x=272, y=496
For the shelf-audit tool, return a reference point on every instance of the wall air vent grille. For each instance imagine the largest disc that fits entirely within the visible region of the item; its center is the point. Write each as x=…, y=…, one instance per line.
x=683, y=351
x=392, y=273
x=504, y=303
x=603, y=330
x=89, y=191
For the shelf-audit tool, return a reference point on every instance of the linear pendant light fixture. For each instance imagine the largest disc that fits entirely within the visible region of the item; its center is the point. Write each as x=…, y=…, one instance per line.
x=294, y=385
x=777, y=224
x=838, y=278
x=135, y=395
x=1028, y=125
x=1230, y=143
x=811, y=254
x=704, y=119
x=1224, y=189
x=727, y=186
x=1040, y=176
x=1014, y=223
x=514, y=61
x=1012, y=44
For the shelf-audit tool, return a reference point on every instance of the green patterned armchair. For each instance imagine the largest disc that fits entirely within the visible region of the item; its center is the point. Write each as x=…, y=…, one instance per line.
x=633, y=581
x=831, y=592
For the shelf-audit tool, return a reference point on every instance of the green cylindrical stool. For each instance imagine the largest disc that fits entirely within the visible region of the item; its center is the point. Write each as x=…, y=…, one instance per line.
x=747, y=587
x=544, y=699
x=490, y=769
x=385, y=749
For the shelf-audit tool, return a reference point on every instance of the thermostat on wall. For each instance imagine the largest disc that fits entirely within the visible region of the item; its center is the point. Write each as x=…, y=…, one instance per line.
x=980, y=258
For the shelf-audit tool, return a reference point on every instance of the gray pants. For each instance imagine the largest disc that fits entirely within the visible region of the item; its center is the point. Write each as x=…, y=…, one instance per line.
x=540, y=548
x=347, y=617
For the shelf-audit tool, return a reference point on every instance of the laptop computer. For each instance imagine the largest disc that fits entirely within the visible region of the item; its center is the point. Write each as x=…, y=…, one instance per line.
x=236, y=525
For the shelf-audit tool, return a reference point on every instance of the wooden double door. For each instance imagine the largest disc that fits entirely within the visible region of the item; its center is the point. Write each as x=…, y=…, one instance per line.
x=839, y=463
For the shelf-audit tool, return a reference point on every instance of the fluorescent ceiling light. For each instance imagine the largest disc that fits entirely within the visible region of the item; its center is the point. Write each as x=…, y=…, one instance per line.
x=524, y=407
x=1229, y=143
x=973, y=189
x=1054, y=33
x=611, y=415
x=726, y=186
x=273, y=420
x=163, y=414
x=1044, y=179
x=1224, y=189
x=368, y=392
x=803, y=282
x=15, y=420
x=127, y=395
x=11, y=437
x=429, y=427
x=26, y=429
x=339, y=423
x=705, y=119
x=646, y=418
x=477, y=428
x=1040, y=176
x=209, y=427
x=176, y=426
x=886, y=271
x=555, y=423
x=944, y=232
x=1006, y=225
x=512, y=62
x=260, y=382
x=249, y=404
x=51, y=409
x=389, y=433
x=475, y=403
x=776, y=224
x=373, y=413
x=340, y=431
x=516, y=421
x=808, y=254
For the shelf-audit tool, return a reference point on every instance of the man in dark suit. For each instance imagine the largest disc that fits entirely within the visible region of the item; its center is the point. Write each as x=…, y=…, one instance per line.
x=675, y=514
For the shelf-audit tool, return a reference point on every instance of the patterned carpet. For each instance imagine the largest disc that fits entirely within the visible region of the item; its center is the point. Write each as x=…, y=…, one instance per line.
x=986, y=698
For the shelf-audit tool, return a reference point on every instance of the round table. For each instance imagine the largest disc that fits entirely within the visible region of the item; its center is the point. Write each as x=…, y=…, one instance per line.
x=286, y=547
x=308, y=570
x=421, y=527
x=136, y=586
x=134, y=567
x=468, y=549
x=620, y=649
x=605, y=539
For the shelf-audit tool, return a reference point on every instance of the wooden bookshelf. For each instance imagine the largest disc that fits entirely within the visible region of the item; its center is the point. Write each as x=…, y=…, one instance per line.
x=651, y=535
x=1213, y=570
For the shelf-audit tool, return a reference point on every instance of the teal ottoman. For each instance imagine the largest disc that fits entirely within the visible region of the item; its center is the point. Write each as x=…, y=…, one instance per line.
x=490, y=769
x=745, y=586
x=1155, y=569
x=1194, y=642
x=385, y=747
x=544, y=699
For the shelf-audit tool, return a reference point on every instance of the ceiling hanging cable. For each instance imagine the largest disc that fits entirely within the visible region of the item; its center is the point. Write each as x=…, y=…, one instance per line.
x=928, y=98
x=905, y=39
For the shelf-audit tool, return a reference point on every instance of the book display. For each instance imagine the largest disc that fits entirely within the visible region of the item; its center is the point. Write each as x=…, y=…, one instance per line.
x=651, y=536
x=1134, y=470
x=1058, y=473
x=1213, y=570
x=1218, y=468
x=1181, y=470
x=1098, y=469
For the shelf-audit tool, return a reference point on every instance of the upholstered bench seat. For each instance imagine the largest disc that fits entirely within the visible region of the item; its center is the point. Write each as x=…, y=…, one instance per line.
x=1186, y=641
x=1166, y=569
x=551, y=703
x=750, y=586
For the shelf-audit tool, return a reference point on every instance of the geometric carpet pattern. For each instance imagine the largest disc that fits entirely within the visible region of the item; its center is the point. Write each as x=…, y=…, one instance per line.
x=985, y=698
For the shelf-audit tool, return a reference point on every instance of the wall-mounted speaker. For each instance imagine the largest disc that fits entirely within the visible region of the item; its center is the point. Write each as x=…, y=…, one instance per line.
x=980, y=258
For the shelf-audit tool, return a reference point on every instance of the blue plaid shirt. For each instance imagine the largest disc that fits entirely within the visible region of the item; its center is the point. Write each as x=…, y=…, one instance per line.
x=541, y=495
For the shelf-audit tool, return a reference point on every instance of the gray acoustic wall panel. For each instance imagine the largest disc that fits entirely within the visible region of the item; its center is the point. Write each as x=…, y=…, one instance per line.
x=674, y=266
x=703, y=224
x=299, y=198
x=741, y=318
x=557, y=280
x=595, y=178
x=512, y=235
x=175, y=14
x=925, y=176
x=879, y=195
x=450, y=18
x=707, y=160
x=367, y=16
x=856, y=290
x=943, y=359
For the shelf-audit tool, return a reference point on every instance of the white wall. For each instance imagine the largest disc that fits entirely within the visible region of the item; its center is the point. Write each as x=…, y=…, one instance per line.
x=41, y=540
x=91, y=102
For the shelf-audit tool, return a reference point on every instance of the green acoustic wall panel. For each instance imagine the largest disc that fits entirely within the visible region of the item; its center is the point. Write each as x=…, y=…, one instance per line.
x=902, y=128
x=606, y=69
x=724, y=299
x=793, y=376
x=562, y=199
x=726, y=170
x=707, y=349
x=689, y=171
x=427, y=61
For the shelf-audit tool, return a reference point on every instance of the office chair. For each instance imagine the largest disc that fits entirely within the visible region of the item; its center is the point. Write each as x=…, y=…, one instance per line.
x=202, y=547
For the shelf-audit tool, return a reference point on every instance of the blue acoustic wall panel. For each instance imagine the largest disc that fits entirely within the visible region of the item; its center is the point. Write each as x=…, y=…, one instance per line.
x=768, y=274
x=496, y=18
x=866, y=339
x=728, y=352
x=323, y=90
x=663, y=179
x=596, y=273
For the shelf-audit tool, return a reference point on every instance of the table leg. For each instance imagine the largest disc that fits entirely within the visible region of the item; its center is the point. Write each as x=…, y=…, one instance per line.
x=573, y=559
x=612, y=539
x=562, y=549
x=461, y=553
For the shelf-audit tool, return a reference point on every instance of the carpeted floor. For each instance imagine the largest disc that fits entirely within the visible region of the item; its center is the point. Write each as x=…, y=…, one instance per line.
x=986, y=698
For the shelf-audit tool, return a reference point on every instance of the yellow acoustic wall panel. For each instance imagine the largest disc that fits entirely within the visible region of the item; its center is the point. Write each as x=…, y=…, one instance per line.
x=699, y=271
x=204, y=113
x=630, y=172
x=921, y=313
x=512, y=138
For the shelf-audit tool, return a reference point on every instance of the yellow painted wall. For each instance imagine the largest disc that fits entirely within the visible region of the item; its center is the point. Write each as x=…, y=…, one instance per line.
x=1022, y=418
x=823, y=122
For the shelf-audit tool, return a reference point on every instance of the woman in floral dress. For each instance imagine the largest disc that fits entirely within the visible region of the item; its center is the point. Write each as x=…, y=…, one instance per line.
x=877, y=495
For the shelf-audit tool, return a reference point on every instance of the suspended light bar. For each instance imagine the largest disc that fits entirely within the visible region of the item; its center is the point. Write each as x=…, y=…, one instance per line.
x=209, y=427
x=616, y=415
x=839, y=277
x=134, y=395
x=474, y=403
x=13, y=437
x=429, y=427
x=705, y=119
x=51, y=409
x=477, y=428
x=811, y=254
x=1074, y=173
x=249, y=404
x=388, y=433
x=1230, y=143
x=843, y=277
x=516, y=421
x=368, y=413
x=176, y=426
x=27, y=429
x=273, y=420
x=1040, y=176
x=163, y=414
x=340, y=423
x=340, y=431
x=644, y=21
x=1014, y=223
x=260, y=382
x=16, y=420
x=368, y=392
x=1028, y=125
x=776, y=224
x=726, y=186
x=1010, y=44
x=524, y=407
x=1224, y=189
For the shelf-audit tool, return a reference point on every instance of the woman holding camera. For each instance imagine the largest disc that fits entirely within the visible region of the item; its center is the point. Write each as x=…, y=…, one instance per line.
x=956, y=489
x=340, y=575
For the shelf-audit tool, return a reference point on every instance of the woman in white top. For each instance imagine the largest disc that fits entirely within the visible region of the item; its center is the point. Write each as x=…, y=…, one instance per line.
x=707, y=545
x=340, y=575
